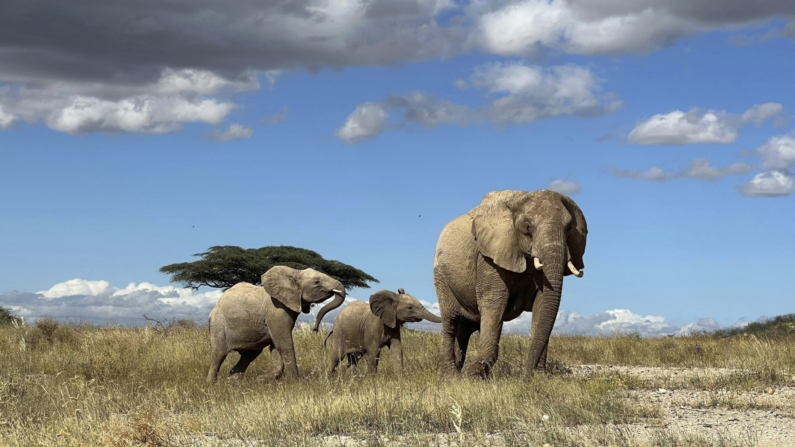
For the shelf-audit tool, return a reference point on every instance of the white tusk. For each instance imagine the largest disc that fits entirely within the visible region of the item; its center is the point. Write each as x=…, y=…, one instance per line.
x=338, y=292
x=537, y=264
x=577, y=273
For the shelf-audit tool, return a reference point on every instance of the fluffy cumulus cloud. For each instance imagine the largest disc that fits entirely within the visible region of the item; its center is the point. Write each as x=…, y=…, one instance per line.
x=233, y=132
x=564, y=186
x=175, y=98
x=616, y=322
x=698, y=126
x=98, y=302
x=778, y=158
x=698, y=169
x=526, y=27
x=125, y=67
x=518, y=94
x=366, y=121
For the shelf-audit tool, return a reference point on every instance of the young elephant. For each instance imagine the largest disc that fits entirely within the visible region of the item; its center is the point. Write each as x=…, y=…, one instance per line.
x=248, y=318
x=361, y=329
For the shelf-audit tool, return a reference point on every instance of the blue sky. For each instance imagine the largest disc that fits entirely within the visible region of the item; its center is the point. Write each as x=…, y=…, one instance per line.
x=671, y=126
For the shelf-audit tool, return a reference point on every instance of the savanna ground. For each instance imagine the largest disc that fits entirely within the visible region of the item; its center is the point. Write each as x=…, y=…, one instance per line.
x=76, y=385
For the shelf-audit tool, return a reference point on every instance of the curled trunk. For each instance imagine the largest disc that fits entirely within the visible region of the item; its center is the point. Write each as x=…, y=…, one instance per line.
x=339, y=298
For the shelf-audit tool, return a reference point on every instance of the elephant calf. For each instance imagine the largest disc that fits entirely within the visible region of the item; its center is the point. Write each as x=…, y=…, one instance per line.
x=361, y=329
x=249, y=319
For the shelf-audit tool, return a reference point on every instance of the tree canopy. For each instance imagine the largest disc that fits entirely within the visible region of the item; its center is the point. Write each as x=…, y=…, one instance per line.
x=223, y=266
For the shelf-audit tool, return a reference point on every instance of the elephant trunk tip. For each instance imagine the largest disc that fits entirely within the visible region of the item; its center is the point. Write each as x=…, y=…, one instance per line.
x=432, y=318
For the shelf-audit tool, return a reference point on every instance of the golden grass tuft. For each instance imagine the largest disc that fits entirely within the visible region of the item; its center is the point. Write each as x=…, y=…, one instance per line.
x=76, y=385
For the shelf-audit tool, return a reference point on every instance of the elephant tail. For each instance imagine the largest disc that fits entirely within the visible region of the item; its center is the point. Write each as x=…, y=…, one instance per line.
x=326, y=339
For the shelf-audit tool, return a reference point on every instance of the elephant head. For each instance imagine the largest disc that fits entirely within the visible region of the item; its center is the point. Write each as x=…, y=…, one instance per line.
x=297, y=290
x=394, y=309
x=545, y=228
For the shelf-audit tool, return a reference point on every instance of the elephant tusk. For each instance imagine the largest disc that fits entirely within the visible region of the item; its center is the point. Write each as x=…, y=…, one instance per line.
x=537, y=263
x=338, y=292
x=577, y=273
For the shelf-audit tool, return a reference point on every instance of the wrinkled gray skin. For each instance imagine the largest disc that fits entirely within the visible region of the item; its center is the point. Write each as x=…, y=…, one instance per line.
x=248, y=318
x=485, y=273
x=365, y=329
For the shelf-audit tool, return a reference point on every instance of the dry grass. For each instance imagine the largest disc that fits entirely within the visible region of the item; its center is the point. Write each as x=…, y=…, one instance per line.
x=85, y=385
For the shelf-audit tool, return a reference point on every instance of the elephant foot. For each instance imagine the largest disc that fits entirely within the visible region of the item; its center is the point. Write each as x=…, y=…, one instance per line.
x=270, y=377
x=476, y=370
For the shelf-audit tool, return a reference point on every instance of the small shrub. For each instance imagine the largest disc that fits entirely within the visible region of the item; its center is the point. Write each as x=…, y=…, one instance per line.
x=6, y=317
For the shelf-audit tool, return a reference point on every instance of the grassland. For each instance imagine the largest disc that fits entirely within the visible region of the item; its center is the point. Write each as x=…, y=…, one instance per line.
x=77, y=385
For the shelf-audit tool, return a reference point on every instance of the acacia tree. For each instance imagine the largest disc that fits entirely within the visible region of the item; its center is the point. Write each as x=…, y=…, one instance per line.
x=223, y=266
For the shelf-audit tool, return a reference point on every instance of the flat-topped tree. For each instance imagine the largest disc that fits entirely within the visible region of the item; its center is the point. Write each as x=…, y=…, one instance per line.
x=223, y=266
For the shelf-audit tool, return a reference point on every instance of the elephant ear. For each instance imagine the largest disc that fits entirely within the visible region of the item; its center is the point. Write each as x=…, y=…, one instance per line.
x=492, y=227
x=577, y=234
x=282, y=285
x=383, y=305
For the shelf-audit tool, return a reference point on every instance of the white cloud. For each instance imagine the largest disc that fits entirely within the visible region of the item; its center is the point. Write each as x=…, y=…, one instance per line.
x=759, y=113
x=6, y=119
x=522, y=28
x=526, y=27
x=178, y=97
x=769, y=184
x=202, y=82
x=366, y=121
x=678, y=127
x=532, y=93
x=78, y=287
x=522, y=94
x=778, y=153
x=778, y=158
x=698, y=169
x=233, y=132
x=564, y=186
x=98, y=302
x=696, y=126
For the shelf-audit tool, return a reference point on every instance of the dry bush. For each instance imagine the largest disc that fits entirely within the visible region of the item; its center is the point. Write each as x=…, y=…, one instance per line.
x=84, y=385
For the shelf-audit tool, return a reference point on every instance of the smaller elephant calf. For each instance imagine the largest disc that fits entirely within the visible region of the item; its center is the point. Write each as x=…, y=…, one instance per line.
x=361, y=329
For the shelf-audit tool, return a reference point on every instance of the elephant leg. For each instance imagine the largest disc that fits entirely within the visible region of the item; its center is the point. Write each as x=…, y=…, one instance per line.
x=246, y=357
x=372, y=359
x=281, y=330
x=335, y=358
x=465, y=330
x=450, y=322
x=218, y=357
x=277, y=365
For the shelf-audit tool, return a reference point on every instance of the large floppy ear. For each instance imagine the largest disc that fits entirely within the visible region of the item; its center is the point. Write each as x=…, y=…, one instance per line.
x=281, y=283
x=492, y=227
x=577, y=233
x=383, y=304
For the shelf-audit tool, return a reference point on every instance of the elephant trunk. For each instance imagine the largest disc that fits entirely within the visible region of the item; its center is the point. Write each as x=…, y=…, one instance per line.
x=427, y=315
x=545, y=310
x=339, y=298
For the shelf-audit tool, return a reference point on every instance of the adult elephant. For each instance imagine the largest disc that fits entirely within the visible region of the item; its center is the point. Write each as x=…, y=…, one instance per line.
x=248, y=318
x=506, y=256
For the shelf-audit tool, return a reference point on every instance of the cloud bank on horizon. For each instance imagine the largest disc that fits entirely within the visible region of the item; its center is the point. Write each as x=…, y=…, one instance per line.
x=98, y=302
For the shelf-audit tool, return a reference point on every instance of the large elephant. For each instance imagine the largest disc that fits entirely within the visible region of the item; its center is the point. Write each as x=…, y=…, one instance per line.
x=506, y=256
x=248, y=318
x=365, y=329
